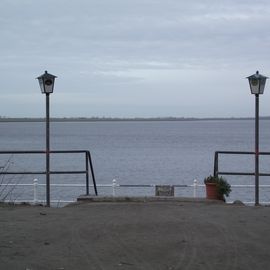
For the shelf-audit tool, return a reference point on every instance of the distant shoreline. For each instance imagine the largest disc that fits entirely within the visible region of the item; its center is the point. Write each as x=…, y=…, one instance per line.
x=115, y=119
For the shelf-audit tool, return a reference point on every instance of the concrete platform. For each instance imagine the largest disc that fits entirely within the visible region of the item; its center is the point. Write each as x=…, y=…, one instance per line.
x=93, y=198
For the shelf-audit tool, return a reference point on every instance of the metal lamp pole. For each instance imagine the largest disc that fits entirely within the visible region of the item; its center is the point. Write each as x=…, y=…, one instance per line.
x=257, y=84
x=46, y=83
x=48, y=149
x=256, y=149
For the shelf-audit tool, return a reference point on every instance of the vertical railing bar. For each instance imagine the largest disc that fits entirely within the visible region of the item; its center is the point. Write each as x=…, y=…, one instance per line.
x=87, y=173
x=216, y=164
x=35, y=187
x=195, y=185
x=92, y=172
x=114, y=187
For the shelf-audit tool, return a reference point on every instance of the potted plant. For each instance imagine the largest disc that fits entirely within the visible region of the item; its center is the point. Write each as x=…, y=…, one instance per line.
x=217, y=187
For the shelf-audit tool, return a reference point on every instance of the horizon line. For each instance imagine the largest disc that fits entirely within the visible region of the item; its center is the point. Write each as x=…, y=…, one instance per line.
x=105, y=118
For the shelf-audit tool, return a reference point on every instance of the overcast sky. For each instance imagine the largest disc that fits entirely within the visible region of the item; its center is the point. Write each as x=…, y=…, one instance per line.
x=134, y=58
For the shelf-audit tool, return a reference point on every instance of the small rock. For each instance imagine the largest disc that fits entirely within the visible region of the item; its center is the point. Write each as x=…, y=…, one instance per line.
x=124, y=263
x=238, y=202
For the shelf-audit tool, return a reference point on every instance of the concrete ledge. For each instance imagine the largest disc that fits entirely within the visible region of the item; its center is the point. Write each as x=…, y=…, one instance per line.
x=92, y=198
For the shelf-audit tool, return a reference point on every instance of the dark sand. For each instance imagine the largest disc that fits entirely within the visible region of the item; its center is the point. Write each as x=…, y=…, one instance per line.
x=135, y=235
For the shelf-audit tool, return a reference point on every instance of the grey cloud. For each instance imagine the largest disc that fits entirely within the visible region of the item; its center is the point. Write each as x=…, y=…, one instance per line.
x=129, y=45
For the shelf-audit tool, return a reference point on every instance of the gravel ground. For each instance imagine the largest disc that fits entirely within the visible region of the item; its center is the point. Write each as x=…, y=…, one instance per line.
x=135, y=235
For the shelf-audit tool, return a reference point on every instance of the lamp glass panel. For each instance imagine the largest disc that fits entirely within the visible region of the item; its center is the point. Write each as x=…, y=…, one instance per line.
x=41, y=85
x=48, y=86
x=254, y=85
x=262, y=85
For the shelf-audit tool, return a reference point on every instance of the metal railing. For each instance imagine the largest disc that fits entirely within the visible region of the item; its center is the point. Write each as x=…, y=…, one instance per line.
x=88, y=164
x=113, y=189
x=114, y=186
x=216, y=163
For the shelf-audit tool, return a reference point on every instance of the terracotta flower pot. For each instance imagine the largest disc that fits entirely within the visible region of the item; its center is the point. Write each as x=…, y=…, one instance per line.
x=212, y=192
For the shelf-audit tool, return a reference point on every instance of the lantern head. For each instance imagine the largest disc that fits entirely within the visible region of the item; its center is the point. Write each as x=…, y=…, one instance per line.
x=257, y=83
x=46, y=82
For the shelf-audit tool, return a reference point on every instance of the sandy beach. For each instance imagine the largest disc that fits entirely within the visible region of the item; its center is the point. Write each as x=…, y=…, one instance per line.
x=135, y=235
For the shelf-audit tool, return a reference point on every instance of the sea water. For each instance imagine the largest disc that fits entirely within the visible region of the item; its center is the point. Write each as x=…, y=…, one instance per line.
x=137, y=152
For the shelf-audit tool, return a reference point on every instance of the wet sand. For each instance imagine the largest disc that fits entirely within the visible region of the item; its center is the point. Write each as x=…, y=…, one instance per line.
x=135, y=235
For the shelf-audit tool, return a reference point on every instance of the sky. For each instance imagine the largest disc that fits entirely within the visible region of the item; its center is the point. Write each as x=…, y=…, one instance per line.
x=134, y=58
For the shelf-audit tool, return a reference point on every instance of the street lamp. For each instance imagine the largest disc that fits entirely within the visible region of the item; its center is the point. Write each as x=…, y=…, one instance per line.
x=257, y=84
x=46, y=83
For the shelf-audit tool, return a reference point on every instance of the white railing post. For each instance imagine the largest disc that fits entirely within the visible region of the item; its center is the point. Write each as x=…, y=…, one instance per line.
x=114, y=187
x=195, y=186
x=35, y=185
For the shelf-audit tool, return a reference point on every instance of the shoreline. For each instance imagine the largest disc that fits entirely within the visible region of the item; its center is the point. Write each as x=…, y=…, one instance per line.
x=116, y=119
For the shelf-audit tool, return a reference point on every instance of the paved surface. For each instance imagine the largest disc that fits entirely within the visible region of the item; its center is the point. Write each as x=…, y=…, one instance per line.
x=135, y=235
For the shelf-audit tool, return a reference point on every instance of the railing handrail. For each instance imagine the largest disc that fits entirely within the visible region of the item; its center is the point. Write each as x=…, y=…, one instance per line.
x=216, y=163
x=43, y=151
x=242, y=152
x=114, y=186
x=123, y=185
x=88, y=162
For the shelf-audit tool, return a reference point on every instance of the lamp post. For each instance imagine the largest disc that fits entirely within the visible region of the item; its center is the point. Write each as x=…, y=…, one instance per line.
x=46, y=83
x=257, y=84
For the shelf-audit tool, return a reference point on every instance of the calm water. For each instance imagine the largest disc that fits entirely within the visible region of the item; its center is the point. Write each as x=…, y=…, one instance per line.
x=139, y=153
